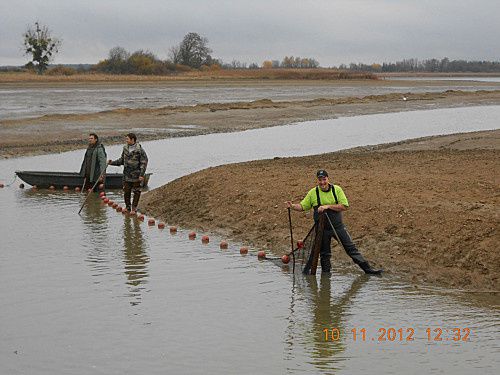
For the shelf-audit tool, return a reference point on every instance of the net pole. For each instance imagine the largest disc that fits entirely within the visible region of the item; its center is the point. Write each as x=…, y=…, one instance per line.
x=291, y=238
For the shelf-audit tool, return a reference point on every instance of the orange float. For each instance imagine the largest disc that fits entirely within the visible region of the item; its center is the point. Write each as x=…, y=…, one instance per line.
x=244, y=250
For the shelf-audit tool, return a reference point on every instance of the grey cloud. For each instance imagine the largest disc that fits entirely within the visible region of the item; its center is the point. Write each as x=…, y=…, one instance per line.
x=332, y=31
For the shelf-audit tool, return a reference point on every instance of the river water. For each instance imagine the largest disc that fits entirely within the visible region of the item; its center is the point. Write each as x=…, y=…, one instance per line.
x=106, y=294
x=35, y=101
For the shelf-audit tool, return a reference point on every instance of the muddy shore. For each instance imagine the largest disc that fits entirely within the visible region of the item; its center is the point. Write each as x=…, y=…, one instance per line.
x=425, y=210
x=63, y=132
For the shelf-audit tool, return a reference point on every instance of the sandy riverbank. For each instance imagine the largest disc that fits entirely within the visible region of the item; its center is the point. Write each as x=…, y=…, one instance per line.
x=425, y=210
x=64, y=132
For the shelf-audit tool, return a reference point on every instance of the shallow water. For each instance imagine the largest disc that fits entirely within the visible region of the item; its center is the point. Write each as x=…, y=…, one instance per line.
x=103, y=293
x=39, y=101
x=444, y=78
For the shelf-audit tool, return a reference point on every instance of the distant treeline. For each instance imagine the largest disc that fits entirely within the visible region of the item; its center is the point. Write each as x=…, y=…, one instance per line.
x=430, y=65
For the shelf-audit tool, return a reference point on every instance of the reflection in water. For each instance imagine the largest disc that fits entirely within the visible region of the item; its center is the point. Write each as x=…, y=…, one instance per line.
x=96, y=238
x=136, y=259
x=326, y=313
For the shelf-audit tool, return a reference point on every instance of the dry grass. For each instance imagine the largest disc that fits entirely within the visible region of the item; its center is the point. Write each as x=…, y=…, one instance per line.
x=236, y=74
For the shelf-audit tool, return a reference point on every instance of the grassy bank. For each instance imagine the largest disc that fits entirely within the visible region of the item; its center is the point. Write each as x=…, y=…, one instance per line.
x=233, y=74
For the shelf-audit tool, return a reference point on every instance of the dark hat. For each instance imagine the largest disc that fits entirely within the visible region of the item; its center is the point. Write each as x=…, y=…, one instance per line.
x=321, y=173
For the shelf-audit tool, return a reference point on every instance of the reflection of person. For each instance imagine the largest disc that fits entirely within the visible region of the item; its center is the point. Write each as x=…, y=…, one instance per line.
x=135, y=162
x=328, y=316
x=331, y=200
x=94, y=162
x=136, y=259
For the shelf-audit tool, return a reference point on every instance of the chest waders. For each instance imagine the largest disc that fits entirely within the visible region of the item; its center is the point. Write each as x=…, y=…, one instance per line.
x=334, y=219
x=319, y=220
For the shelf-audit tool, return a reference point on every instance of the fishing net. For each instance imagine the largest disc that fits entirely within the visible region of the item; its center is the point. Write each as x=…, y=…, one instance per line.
x=304, y=258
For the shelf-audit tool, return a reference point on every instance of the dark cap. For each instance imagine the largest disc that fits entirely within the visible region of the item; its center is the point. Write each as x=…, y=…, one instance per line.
x=321, y=173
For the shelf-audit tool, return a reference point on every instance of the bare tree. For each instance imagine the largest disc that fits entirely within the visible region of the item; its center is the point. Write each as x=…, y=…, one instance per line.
x=174, y=53
x=193, y=51
x=40, y=45
x=118, y=54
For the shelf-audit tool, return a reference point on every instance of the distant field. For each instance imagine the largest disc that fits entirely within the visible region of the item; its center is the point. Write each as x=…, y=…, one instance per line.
x=236, y=74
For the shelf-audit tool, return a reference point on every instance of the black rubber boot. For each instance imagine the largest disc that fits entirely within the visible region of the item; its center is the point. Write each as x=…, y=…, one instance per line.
x=365, y=266
x=135, y=202
x=326, y=265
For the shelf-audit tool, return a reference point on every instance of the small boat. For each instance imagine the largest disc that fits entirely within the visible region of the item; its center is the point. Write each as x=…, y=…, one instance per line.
x=70, y=179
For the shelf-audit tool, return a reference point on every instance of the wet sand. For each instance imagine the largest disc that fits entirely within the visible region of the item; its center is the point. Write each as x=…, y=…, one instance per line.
x=425, y=210
x=63, y=132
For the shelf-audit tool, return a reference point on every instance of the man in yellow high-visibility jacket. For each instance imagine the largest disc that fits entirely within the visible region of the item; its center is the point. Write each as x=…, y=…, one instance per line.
x=330, y=200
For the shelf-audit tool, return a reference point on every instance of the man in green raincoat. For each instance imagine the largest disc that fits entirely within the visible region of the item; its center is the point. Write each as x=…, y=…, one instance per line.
x=94, y=162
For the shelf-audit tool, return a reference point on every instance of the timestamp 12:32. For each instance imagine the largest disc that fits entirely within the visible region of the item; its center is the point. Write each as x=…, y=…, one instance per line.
x=406, y=334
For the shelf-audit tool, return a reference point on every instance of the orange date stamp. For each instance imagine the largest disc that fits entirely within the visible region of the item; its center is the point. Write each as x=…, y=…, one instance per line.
x=392, y=334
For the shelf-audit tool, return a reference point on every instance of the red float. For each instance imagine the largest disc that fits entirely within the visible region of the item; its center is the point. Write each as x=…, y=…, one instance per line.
x=285, y=259
x=161, y=225
x=105, y=200
x=133, y=213
x=151, y=222
x=141, y=217
x=300, y=244
x=52, y=187
x=192, y=235
x=115, y=205
x=244, y=250
x=205, y=239
x=89, y=190
x=77, y=189
x=102, y=194
x=173, y=229
x=34, y=187
x=261, y=254
x=119, y=209
x=124, y=211
x=111, y=203
x=66, y=188
x=101, y=186
x=224, y=245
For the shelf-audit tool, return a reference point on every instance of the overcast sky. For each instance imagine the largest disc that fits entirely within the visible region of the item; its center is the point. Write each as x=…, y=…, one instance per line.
x=331, y=31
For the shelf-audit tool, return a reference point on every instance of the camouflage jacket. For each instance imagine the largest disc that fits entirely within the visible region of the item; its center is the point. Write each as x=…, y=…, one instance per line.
x=134, y=161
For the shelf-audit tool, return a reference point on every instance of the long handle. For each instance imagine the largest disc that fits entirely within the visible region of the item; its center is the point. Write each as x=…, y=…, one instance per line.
x=291, y=237
x=91, y=190
x=84, y=182
x=335, y=232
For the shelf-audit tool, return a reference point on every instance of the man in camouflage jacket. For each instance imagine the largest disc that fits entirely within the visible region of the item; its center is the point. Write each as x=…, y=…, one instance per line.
x=135, y=162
